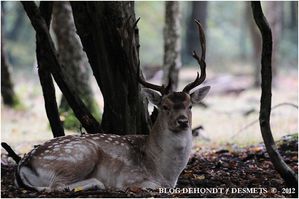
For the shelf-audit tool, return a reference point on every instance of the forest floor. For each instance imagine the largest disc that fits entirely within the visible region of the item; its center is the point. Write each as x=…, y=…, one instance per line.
x=228, y=171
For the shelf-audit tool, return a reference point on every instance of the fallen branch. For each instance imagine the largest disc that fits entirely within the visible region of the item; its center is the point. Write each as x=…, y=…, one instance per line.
x=11, y=153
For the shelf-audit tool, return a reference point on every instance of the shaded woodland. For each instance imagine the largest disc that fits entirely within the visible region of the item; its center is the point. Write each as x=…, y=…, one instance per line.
x=80, y=42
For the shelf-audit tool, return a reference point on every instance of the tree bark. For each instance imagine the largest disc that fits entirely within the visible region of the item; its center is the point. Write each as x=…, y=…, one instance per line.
x=111, y=44
x=293, y=19
x=199, y=12
x=71, y=55
x=283, y=169
x=18, y=23
x=172, y=44
x=45, y=77
x=80, y=110
x=7, y=89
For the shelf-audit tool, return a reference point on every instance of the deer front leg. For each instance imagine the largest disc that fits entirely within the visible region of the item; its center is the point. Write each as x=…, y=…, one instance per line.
x=150, y=185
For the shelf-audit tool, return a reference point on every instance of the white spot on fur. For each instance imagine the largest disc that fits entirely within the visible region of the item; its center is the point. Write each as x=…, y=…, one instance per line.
x=68, y=150
x=110, y=139
x=49, y=157
x=79, y=156
x=67, y=158
x=107, y=141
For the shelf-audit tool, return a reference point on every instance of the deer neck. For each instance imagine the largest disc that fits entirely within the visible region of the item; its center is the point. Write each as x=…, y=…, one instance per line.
x=168, y=152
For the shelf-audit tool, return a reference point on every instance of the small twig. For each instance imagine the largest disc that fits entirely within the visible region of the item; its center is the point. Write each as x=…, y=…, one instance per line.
x=135, y=23
x=255, y=121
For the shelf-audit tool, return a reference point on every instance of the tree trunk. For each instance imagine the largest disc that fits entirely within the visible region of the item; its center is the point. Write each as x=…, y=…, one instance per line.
x=7, y=91
x=72, y=58
x=45, y=77
x=283, y=169
x=111, y=44
x=293, y=20
x=18, y=23
x=71, y=55
x=172, y=44
x=199, y=12
x=49, y=52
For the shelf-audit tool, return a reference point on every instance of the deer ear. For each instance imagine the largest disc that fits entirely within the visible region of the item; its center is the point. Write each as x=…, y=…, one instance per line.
x=152, y=96
x=199, y=94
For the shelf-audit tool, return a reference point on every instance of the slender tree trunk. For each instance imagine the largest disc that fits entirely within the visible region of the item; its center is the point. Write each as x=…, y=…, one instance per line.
x=172, y=44
x=111, y=44
x=80, y=110
x=45, y=77
x=7, y=89
x=72, y=58
x=283, y=169
x=199, y=12
x=18, y=23
x=293, y=20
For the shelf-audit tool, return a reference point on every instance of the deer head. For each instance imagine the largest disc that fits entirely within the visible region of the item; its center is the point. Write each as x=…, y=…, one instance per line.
x=176, y=106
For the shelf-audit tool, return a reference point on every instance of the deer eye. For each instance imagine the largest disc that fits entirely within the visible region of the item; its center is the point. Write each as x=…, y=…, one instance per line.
x=190, y=107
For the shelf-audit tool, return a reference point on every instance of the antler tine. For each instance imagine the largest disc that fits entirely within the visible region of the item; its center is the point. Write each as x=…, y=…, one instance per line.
x=136, y=22
x=200, y=61
x=202, y=39
x=146, y=84
x=160, y=89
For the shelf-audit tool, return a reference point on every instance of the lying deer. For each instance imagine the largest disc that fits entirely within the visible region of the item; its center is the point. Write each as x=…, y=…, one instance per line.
x=109, y=161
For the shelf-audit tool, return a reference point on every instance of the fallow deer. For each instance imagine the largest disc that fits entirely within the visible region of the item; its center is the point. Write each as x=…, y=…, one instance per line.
x=109, y=161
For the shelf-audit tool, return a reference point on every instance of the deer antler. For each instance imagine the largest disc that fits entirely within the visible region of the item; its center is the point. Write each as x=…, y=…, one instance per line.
x=200, y=61
x=160, y=89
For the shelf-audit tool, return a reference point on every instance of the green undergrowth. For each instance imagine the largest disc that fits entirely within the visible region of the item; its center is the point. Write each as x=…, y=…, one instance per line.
x=71, y=122
x=17, y=104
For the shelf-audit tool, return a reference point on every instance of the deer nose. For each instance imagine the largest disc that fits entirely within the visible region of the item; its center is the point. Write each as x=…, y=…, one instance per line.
x=182, y=121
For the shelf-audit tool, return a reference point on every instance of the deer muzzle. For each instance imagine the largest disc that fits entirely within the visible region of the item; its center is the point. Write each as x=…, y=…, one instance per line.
x=182, y=122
